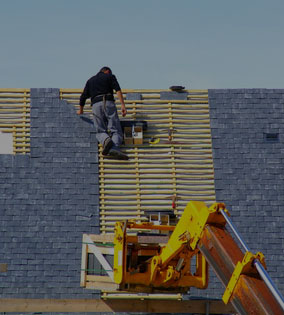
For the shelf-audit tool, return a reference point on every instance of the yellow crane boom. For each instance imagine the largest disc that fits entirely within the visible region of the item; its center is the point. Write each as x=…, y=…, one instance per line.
x=175, y=258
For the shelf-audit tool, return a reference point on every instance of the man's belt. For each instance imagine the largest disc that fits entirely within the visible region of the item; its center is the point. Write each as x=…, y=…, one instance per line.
x=103, y=97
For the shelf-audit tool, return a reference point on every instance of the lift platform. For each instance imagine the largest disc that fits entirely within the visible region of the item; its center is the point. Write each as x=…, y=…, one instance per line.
x=164, y=259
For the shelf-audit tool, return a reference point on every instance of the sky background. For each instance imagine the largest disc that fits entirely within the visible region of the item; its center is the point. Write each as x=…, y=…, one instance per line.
x=149, y=44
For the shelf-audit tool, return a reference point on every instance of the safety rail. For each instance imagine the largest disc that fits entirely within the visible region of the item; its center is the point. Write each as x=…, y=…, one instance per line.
x=15, y=117
x=158, y=177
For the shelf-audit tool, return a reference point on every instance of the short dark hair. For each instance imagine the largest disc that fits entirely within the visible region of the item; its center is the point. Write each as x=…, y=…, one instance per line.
x=103, y=69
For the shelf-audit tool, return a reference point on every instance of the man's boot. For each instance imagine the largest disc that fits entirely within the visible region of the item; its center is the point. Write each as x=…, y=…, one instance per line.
x=108, y=144
x=117, y=154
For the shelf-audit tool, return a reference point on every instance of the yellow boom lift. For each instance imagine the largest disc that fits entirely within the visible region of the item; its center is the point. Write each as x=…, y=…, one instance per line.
x=146, y=262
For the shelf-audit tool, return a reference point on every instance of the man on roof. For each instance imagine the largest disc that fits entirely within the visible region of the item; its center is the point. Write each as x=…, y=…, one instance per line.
x=106, y=121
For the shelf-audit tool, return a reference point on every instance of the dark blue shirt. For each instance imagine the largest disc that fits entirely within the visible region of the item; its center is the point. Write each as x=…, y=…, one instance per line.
x=100, y=84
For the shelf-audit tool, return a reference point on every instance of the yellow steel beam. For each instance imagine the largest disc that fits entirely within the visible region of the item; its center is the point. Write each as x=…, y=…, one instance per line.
x=134, y=91
x=12, y=90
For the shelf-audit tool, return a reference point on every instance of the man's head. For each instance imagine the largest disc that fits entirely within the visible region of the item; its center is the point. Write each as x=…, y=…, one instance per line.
x=106, y=70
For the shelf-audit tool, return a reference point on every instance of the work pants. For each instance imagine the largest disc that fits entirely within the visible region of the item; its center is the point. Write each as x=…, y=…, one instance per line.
x=106, y=122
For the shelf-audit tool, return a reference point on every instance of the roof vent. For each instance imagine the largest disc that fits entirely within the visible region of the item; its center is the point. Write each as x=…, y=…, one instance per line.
x=177, y=88
x=271, y=137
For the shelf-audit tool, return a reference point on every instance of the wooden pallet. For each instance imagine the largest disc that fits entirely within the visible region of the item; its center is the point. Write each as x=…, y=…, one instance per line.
x=98, y=246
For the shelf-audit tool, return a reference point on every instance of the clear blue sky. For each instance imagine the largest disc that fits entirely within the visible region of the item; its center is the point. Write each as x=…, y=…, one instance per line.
x=149, y=44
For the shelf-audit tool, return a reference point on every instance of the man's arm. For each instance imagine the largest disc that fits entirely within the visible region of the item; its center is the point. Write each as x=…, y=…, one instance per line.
x=83, y=98
x=121, y=99
x=81, y=110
